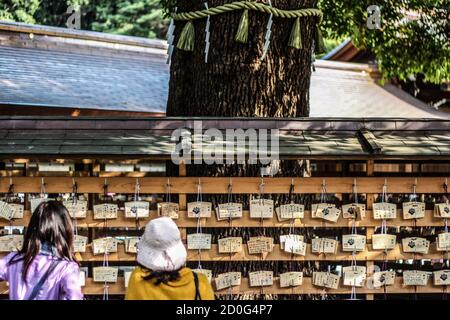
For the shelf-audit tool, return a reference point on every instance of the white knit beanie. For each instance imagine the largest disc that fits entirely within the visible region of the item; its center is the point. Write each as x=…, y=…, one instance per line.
x=161, y=248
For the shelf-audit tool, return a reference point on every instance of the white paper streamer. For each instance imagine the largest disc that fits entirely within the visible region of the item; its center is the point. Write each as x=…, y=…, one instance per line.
x=207, y=35
x=267, y=36
x=170, y=38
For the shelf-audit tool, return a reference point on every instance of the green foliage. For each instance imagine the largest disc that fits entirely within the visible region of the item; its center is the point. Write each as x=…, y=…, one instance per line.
x=403, y=47
x=18, y=10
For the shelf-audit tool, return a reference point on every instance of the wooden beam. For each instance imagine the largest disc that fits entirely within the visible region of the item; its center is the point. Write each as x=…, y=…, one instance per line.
x=216, y=185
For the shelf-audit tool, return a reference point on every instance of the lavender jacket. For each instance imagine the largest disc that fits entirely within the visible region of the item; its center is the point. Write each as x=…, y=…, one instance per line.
x=62, y=284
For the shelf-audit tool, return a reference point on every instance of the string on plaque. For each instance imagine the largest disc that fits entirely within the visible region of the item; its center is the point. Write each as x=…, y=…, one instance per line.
x=199, y=222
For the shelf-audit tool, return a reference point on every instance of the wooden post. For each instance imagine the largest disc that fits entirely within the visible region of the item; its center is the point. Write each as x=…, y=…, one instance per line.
x=370, y=230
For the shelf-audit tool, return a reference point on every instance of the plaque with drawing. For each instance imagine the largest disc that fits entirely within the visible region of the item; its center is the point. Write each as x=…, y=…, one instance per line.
x=326, y=211
x=442, y=210
x=168, y=209
x=228, y=279
x=383, y=278
x=206, y=272
x=106, y=211
x=384, y=210
x=77, y=210
x=199, y=241
x=353, y=242
x=230, y=245
x=291, y=279
x=260, y=278
x=11, y=243
x=79, y=243
x=261, y=208
x=102, y=245
x=259, y=245
x=230, y=210
x=290, y=211
x=413, y=210
x=326, y=279
x=354, y=211
x=137, y=209
x=443, y=241
x=105, y=274
x=441, y=278
x=131, y=244
x=415, y=245
x=324, y=245
x=199, y=209
x=295, y=237
x=384, y=241
x=415, y=278
x=354, y=276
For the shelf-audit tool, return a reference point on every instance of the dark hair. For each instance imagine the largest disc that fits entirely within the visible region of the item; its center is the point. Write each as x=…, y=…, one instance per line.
x=50, y=223
x=161, y=276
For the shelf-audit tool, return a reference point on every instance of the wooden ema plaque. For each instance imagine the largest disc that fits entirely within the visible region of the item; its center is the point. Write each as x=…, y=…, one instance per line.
x=325, y=211
x=290, y=211
x=261, y=208
x=230, y=245
x=295, y=237
x=11, y=243
x=441, y=278
x=77, y=210
x=199, y=241
x=137, y=209
x=79, y=243
x=415, y=278
x=383, y=278
x=199, y=209
x=230, y=210
x=413, y=210
x=326, y=280
x=443, y=241
x=9, y=211
x=105, y=274
x=384, y=210
x=260, y=278
x=168, y=209
x=354, y=211
x=35, y=202
x=384, y=241
x=354, y=276
x=291, y=279
x=442, y=210
x=324, y=245
x=131, y=244
x=102, y=245
x=260, y=245
x=415, y=245
x=228, y=279
x=353, y=242
x=106, y=211
x=206, y=272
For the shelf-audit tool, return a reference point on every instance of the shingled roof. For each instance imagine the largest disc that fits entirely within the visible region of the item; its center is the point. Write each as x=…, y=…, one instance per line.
x=55, y=67
x=151, y=138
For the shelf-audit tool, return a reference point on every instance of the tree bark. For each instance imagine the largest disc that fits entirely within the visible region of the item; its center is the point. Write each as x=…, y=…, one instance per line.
x=235, y=82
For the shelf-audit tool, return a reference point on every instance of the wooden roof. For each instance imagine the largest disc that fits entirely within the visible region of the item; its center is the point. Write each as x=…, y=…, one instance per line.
x=151, y=138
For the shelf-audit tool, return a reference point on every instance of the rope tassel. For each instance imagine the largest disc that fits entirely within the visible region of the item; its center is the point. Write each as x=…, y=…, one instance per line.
x=295, y=39
x=242, y=33
x=320, y=45
x=186, y=41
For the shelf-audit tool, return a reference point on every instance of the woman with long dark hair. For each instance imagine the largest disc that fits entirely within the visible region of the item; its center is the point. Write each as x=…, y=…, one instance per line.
x=45, y=268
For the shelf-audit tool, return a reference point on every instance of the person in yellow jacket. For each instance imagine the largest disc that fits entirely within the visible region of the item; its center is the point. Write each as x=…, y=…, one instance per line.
x=161, y=274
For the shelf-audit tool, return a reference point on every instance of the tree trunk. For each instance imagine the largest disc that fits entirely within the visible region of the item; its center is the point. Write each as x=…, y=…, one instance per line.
x=235, y=82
